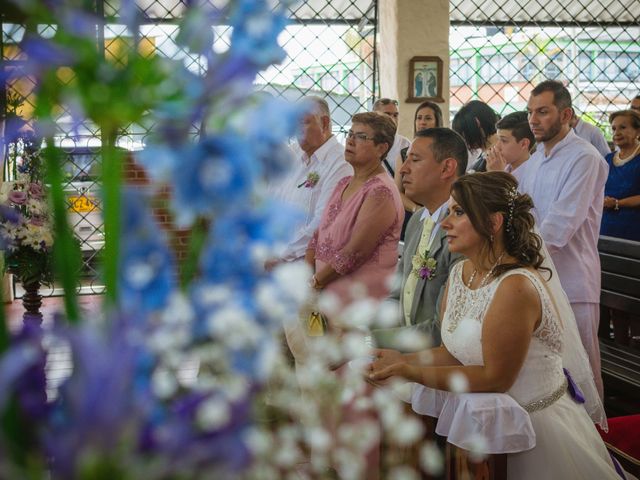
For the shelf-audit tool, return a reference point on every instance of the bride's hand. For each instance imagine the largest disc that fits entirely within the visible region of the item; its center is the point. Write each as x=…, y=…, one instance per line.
x=387, y=364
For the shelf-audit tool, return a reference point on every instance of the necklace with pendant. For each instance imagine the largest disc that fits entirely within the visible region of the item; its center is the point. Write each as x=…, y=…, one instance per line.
x=483, y=282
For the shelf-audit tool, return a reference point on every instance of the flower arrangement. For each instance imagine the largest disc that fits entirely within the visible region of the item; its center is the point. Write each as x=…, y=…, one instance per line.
x=424, y=266
x=26, y=233
x=311, y=181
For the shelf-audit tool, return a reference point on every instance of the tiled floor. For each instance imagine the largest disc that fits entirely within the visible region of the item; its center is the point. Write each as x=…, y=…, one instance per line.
x=89, y=305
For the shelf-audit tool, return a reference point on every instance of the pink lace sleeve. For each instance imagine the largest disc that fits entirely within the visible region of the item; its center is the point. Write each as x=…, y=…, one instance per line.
x=376, y=219
x=313, y=242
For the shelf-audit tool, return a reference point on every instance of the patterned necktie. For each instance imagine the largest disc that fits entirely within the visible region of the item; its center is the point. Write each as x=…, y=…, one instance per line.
x=408, y=293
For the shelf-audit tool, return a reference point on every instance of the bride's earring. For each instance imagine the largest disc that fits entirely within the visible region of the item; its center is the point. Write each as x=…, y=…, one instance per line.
x=491, y=239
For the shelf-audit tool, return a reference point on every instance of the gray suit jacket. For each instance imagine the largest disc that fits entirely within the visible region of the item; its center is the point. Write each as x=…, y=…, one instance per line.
x=428, y=294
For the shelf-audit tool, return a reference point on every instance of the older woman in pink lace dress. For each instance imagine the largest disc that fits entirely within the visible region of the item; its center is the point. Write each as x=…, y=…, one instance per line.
x=355, y=249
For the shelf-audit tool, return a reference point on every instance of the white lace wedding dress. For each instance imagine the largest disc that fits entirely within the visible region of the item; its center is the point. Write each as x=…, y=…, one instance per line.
x=568, y=445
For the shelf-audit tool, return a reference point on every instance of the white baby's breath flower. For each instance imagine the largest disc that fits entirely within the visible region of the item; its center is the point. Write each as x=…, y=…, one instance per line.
x=213, y=413
x=163, y=383
x=478, y=447
x=431, y=459
x=178, y=310
x=211, y=295
x=292, y=278
x=234, y=326
x=270, y=303
x=259, y=253
x=403, y=472
x=318, y=439
x=412, y=341
x=458, y=383
x=259, y=441
x=329, y=303
x=359, y=314
x=387, y=314
x=407, y=431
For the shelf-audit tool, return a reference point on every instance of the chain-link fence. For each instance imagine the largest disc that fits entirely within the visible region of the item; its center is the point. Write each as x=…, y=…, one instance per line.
x=330, y=47
x=501, y=50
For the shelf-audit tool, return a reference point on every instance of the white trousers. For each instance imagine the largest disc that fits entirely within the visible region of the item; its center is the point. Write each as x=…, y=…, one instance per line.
x=588, y=318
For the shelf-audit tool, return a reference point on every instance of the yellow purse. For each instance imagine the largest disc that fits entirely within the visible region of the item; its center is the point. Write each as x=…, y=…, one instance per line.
x=316, y=324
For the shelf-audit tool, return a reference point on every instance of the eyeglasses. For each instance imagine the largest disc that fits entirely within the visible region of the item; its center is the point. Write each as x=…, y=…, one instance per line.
x=359, y=136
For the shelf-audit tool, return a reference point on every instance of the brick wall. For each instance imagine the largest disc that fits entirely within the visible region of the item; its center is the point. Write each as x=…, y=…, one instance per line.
x=134, y=174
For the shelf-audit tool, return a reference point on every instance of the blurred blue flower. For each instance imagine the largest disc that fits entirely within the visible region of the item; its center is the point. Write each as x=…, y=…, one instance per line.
x=146, y=263
x=283, y=117
x=239, y=237
x=213, y=175
x=256, y=26
x=97, y=404
x=79, y=23
x=196, y=30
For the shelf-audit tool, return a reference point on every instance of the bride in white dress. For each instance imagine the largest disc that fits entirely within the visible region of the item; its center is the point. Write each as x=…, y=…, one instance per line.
x=507, y=327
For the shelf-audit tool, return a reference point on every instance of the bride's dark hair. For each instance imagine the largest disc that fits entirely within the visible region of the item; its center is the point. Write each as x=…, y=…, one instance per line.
x=482, y=194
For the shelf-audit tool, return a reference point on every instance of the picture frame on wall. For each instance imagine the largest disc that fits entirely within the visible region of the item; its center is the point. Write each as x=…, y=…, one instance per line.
x=425, y=79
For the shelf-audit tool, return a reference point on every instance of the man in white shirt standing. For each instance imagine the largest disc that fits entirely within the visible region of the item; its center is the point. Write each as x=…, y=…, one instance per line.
x=591, y=134
x=565, y=177
x=319, y=165
x=389, y=107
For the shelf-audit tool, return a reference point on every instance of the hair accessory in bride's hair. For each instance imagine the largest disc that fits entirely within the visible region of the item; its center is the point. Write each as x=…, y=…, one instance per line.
x=512, y=194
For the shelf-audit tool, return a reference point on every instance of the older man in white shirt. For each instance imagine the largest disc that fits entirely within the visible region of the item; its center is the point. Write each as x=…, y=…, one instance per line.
x=566, y=177
x=318, y=167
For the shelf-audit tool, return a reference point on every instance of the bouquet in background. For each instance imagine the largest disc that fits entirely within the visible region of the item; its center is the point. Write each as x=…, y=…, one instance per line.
x=25, y=227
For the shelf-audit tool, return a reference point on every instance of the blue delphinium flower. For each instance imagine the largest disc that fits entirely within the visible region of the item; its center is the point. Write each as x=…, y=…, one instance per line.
x=256, y=26
x=283, y=118
x=239, y=240
x=146, y=263
x=213, y=174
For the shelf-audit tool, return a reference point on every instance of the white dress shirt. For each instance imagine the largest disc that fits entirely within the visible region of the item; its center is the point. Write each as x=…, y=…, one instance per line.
x=399, y=143
x=567, y=188
x=593, y=135
x=328, y=162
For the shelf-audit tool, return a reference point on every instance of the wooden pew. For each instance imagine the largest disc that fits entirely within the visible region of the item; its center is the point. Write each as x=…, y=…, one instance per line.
x=620, y=319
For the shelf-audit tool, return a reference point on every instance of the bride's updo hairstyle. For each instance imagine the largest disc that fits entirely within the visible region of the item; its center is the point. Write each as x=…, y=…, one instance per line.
x=482, y=194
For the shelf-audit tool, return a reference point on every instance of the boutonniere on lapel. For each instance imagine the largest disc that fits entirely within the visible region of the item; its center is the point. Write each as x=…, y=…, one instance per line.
x=424, y=266
x=311, y=180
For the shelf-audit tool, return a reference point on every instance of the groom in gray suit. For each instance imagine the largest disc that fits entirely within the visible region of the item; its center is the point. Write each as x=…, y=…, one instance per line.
x=436, y=158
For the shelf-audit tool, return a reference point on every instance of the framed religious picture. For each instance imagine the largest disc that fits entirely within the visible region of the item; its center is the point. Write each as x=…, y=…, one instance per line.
x=425, y=79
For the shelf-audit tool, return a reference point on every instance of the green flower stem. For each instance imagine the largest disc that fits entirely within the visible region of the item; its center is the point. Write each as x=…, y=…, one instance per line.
x=111, y=183
x=66, y=252
x=196, y=242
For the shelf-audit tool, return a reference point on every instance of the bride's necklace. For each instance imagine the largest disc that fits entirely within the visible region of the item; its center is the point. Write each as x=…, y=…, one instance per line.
x=483, y=282
x=618, y=160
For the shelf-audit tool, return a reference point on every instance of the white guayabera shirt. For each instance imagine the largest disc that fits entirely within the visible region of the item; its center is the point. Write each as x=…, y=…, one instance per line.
x=567, y=188
x=329, y=165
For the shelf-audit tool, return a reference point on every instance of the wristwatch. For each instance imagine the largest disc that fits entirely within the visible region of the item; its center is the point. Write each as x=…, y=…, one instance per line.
x=617, y=205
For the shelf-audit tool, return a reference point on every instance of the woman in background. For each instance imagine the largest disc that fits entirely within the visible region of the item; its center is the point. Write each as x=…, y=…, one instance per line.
x=476, y=122
x=621, y=216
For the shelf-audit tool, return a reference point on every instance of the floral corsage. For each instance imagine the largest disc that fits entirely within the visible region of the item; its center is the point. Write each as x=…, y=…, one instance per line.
x=424, y=266
x=311, y=180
